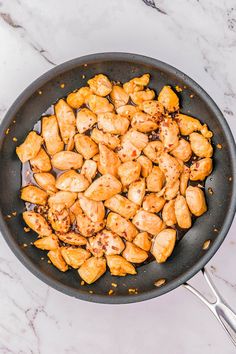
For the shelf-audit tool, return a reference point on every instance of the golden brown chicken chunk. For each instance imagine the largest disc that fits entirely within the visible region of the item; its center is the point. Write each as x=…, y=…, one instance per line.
x=182, y=213
x=85, y=146
x=129, y=172
x=127, y=111
x=136, y=191
x=50, y=133
x=121, y=226
x=57, y=260
x=153, y=203
x=78, y=98
x=106, y=242
x=72, y=181
x=65, y=160
x=92, y=269
x=46, y=181
x=99, y=104
x=74, y=257
x=163, y=245
x=113, y=123
x=87, y=227
x=136, y=84
x=155, y=180
x=41, y=162
x=93, y=209
x=168, y=98
x=170, y=167
x=66, y=121
x=169, y=134
x=146, y=165
x=33, y=194
x=200, y=169
x=183, y=150
x=127, y=151
x=148, y=222
x=139, y=140
x=61, y=200
x=171, y=190
x=143, y=122
x=47, y=243
x=140, y=96
x=153, y=108
x=200, y=145
x=134, y=254
x=59, y=219
x=89, y=169
x=29, y=149
x=100, y=85
x=121, y=205
x=103, y=188
x=85, y=119
x=72, y=238
x=184, y=178
x=118, y=96
x=119, y=266
x=108, y=162
x=143, y=240
x=75, y=210
x=196, y=200
x=188, y=125
x=168, y=213
x=153, y=150
x=107, y=139
x=37, y=223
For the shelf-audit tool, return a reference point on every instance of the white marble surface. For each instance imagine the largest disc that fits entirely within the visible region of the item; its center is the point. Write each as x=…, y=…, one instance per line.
x=199, y=38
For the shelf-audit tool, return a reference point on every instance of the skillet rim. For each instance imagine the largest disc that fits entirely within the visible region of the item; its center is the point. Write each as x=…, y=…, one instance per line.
x=121, y=299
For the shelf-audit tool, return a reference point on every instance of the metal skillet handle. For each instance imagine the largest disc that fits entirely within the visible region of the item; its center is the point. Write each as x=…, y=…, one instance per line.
x=219, y=308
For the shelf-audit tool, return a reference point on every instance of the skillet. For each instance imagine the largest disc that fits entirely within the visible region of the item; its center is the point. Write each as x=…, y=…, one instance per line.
x=188, y=257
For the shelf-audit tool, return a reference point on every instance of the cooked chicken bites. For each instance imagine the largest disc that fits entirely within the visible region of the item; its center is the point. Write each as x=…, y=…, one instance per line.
x=153, y=150
x=86, y=227
x=140, y=96
x=188, y=125
x=46, y=181
x=107, y=139
x=59, y=219
x=163, y=245
x=74, y=257
x=100, y=85
x=99, y=104
x=85, y=146
x=92, y=269
x=139, y=140
x=89, y=169
x=171, y=190
x=127, y=111
x=72, y=181
x=169, y=134
x=74, y=210
x=108, y=162
x=146, y=165
x=122, y=206
x=41, y=162
x=154, y=108
x=155, y=180
x=133, y=253
x=182, y=213
x=93, y=209
x=85, y=119
x=72, y=238
x=170, y=167
x=118, y=96
x=182, y=151
x=148, y=222
x=66, y=121
x=196, y=200
x=29, y=149
x=78, y=98
x=136, y=191
x=47, y=243
x=57, y=260
x=143, y=122
x=184, y=178
x=121, y=226
x=113, y=123
x=50, y=133
x=127, y=151
x=168, y=213
x=201, y=169
x=143, y=241
x=169, y=99
x=200, y=145
x=37, y=223
x=129, y=172
x=119, y=266
x=106, y=242
x=34, y=195
x=153, y=203
x=103, y=188
x=61, y=200
x=65, y=160
x=136, y=84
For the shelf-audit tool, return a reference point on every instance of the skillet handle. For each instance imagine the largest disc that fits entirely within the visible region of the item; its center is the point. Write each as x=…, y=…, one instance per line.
x=219, y=308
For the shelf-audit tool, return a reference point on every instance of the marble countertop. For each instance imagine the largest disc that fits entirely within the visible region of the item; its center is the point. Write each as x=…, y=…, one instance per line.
x=199, y=38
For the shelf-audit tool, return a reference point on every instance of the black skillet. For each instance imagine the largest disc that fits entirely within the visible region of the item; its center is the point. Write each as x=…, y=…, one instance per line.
x=189, y=257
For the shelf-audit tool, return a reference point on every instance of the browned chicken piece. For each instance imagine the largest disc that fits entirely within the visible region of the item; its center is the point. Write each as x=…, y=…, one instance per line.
x=93, y=209
x=75, y=210
x=46, y=181
x=169, y=134
x=136, y=191
x=75, y=257
x=143, y=122
x=103, y=188
x=48, y=243
x=30, y=147
x=72, y=181
x=37, y=223
x=41, y=163
x=50, y=133
x=127, y=111
x=153, y=203
x=85, y=146
x=66, y=121
x=133, y=253
x=99, y=104
x=201, y=169
x=153, y=108
x=146, y=165
x=118, y=96
x=183, y=150
x=163, y=245
x=59, y=219
x=85, y=119
x=122, y=206
x=92, y=269
x=196, y=200
x=89, y=169
x=119, y=266
x=148, y=222
x=136, y=84
x=100, y=85
x=140, y=96
x=57, y=260
x=171, y=190
x=168, y=213
x=153, y=150
x=109, y=161
x=184, y=178
x=61, y=200
x=129, y=172
x=200, y=145
x=188, y=125
x=139, y=140
x=65, y=160
x=78, y=98
x=121, y=226
x=182, y=213
x=87, y=227
x=107, y=139
x=113, y=123
x=33, y=194
x=106, y=242
x=206, y=132
x=155, y=180
x=72, y=238
x=169, y=99
x=143, y=240
x=127, y=151
x=170, y=167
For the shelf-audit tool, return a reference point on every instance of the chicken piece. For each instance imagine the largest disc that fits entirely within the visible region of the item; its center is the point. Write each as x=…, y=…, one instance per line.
x=169, y=134
x=184, y=178
x=87, y=227
x=200, y=145
x=34, y=195
x=153, y=150
x=143, y=241
x=113, y=123
x=61, y=200
x=65, y=160
x=72, y=238
x=57, y=260
x=75, y=210
x=146, y=165
x=143, y=122
x=136, y=191
x=92, y=269
x=139, y=140
x=47, y=243
x=85, y=146
x=93, y=209
x=109, y=161
x=188, y=125
x=163, y=245
x=134, y=254
x=128, y=152
x=170, y=167
x=206, y=132
x=30, y=147
x=129, y=172
x=196, y=200
x=78, y=98
x=72, y=181
x=75, y=257
x=127, y=111
x=118, y=96
x=66, y=121
x=121, y=226
x=59, y=219
x=89, y=169
x=152, y=203
x=201, y=169
x=85, y=119
x=106, y=242
x=182, y=213
x=41, y=163
x=119, y=266
x=148, y=222
x=140, y=96
x=50, y=133
x=168, y=213
x=169, y=99
x=121, y=205
x=154, y=108
x=107, y=139
x=171, y=190
x=99, y=104
x=103, y=188
x=183, y=150
x=46, y=181
x=37, y=223
x=100, y=85
x=155, y=180
x=136, y=84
